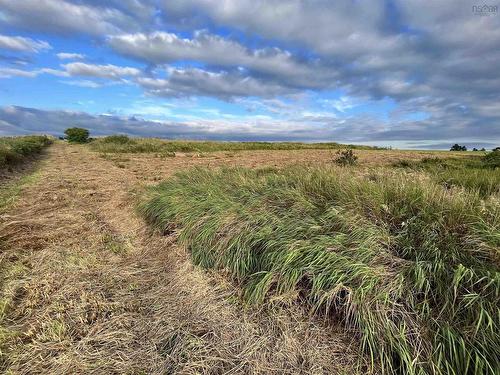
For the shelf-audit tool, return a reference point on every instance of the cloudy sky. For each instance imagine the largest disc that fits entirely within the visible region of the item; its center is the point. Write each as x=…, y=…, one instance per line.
x=409, y=74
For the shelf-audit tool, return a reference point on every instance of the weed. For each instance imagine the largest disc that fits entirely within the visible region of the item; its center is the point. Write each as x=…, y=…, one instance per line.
x=346, y=157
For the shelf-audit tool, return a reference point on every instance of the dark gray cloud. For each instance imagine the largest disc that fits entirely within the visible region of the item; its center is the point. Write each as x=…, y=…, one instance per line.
x=198, y=82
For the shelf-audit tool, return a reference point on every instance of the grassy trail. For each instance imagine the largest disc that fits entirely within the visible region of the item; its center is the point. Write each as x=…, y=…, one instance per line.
x=86, y=288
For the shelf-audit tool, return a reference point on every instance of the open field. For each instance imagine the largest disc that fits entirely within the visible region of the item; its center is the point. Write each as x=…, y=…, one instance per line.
x=281, y=262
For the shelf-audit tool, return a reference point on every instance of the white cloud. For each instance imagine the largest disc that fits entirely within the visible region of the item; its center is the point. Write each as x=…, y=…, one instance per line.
x=11, y=72
x=21, y=44
x=70, y=56
x=100, y=71
x=78, y=69
x=83, y=83
x=65, y=16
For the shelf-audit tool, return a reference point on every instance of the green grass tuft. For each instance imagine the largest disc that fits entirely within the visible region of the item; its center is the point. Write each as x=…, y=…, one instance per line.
x=410, y=267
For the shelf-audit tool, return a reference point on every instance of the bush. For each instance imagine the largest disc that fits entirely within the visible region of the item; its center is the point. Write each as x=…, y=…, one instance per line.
x=117, y=139
x=77, y=135
x=492, y=159
x=346, y=157
x=409, y=267
x=457, y=147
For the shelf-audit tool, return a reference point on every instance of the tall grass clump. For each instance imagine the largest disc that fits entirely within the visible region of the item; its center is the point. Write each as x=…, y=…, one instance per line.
x=411, y=268
x=476, y=174
x=17, y=149
x=492, y=159
x=150, y=145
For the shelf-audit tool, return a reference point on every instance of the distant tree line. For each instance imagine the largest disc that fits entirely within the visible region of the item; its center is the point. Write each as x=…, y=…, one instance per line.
x=457, y=147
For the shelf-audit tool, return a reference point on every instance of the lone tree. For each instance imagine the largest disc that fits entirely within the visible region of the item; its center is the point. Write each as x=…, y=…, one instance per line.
x=457, y=147
x=77, y=135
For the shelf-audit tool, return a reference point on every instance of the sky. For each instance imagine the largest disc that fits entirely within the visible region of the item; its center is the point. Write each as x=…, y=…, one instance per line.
x=406, y=74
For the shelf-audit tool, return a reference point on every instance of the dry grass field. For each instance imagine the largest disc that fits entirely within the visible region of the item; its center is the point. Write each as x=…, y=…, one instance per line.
x=89, y=288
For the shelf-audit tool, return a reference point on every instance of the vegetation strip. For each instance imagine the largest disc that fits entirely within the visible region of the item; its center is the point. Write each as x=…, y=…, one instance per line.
x=124, y=144
x=411, y=267
x=14, y=150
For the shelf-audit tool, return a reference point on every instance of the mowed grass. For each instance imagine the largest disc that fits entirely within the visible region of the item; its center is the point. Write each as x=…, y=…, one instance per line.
x=407, y=265
x=124, y=144
x=14, y=150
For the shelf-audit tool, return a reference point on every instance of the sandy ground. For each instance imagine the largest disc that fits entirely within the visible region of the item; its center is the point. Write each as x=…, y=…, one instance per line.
x=86, y=288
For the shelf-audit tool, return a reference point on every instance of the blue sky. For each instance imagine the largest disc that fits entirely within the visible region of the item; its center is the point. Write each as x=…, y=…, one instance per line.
x=390, y=73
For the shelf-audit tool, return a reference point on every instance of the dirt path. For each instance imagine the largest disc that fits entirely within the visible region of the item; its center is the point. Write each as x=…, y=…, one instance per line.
x=88, y=289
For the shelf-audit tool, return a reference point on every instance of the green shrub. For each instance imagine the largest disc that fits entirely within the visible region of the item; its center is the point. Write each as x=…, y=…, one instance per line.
x=410, y=268
x=77, y=135
x=492, y=159
x=346, y=157
x=117, y=139
x=17, y=149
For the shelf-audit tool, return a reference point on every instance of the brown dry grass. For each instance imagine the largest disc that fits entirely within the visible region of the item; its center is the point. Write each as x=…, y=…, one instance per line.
x=150, y=168
x=87, y=289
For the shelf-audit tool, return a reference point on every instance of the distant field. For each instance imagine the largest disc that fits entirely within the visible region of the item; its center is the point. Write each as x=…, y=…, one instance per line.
x=124, y=144
x=407, y=258
x=14, y=150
